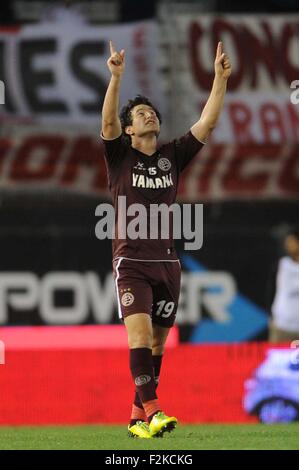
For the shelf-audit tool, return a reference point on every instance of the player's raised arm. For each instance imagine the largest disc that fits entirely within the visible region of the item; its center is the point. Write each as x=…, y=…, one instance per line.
x=211, y=112
x=111, y=127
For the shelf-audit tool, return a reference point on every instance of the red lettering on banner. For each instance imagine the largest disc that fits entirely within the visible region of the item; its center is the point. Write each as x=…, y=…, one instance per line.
x=289, y=177
x=85, y=152
x=272, y=123
x=260, y=52
x=253, y=48
x=266, y=122
x=50, y=146
x=203, y=77
x=252, y=180
x=140, y=59
x=10, y=29
x=5, y=145
x=209, y=169
x=294, y=120
x=220, y=170
x=241, y=119
x=290, y=31
x=222, y=28
x=139, y=37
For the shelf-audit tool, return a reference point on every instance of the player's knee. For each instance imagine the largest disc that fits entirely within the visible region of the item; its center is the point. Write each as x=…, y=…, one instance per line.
x=140, y=339
x=139, y=342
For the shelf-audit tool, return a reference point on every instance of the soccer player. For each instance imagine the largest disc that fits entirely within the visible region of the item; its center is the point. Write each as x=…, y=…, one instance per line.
x=147, y=270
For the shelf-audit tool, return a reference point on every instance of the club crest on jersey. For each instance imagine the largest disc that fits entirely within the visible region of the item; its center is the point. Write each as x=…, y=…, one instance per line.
x=127, y=299
x=164, y=164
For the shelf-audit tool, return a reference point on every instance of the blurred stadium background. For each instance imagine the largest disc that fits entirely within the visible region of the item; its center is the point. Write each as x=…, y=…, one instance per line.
x=64, y=348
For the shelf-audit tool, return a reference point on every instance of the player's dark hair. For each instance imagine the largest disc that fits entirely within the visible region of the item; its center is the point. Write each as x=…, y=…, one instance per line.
x=126, y=116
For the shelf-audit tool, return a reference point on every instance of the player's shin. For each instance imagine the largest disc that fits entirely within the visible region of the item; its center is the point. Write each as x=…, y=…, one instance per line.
x=141, y=364
x=138, y=412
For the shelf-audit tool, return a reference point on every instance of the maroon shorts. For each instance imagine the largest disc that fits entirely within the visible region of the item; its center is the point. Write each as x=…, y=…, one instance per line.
x=151, y=287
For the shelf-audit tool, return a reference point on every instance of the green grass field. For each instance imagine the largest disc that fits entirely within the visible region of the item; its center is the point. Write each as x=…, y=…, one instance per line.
x=184, y=437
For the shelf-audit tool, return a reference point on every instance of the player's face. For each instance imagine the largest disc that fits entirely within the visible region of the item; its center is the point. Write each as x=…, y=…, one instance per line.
x=292, y=245
x=144, y=121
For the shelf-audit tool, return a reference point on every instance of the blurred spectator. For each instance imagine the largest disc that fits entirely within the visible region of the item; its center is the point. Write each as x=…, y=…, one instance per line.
x=285, y=308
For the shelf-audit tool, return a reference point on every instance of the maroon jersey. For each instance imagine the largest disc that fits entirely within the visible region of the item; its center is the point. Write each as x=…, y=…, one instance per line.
x=146, y=180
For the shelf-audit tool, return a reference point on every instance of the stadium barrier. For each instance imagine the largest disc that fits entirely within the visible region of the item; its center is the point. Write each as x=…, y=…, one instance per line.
x=90, y=383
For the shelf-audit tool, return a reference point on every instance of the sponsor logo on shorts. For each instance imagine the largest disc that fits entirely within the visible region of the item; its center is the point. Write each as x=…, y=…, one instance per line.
x=142, y=380
x=127, y=299
x=164, y=164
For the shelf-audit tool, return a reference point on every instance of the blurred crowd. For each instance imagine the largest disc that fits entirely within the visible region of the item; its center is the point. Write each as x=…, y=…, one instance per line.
x=133, y=10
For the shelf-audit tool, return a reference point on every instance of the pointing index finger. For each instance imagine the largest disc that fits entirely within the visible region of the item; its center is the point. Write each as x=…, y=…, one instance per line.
x=219, y=49
x=112, y=50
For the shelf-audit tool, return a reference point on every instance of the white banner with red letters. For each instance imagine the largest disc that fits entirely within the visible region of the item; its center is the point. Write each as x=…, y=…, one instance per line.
x=55, y=73
x=71, y=160
x=262, y=101
x=55, y=81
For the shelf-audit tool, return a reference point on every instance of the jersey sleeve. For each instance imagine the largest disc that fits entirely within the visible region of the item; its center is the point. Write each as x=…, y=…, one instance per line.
x=114, y=150
x=186, y=147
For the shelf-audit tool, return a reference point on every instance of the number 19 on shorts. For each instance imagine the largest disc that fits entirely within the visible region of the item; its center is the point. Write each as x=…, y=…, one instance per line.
x=165, y=309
